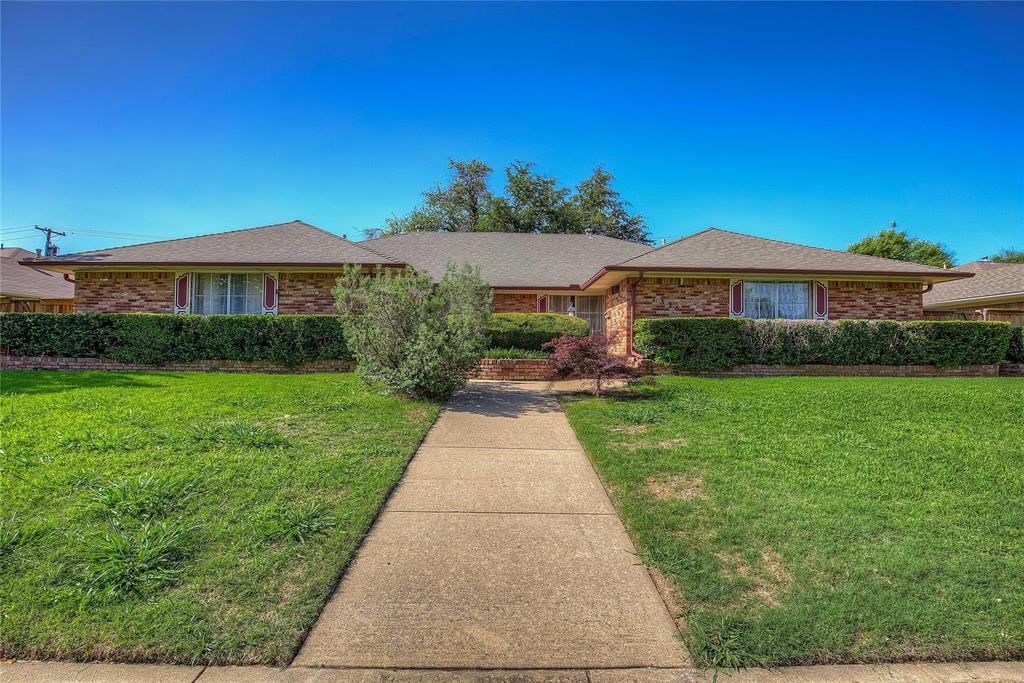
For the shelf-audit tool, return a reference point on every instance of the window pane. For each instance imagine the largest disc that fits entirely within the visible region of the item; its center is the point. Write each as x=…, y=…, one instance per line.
x=794, y=300
x=759, y=299
x=214, y=293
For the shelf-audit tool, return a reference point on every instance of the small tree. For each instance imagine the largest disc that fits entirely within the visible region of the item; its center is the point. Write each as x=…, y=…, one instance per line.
x=411, y=335
x=1009, y=256
x=588, y=357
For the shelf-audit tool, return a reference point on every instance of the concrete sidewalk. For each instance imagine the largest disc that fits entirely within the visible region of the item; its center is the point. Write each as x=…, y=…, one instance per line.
x=499, y=550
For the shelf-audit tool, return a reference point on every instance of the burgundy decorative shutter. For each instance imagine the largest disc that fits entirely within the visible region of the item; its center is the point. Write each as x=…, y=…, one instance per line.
x=820, y=301
x=736, y=298
x=542, y=304
x=269, y=294
x=183, y=293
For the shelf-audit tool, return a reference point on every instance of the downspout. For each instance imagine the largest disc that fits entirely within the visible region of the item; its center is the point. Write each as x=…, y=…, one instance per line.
x=630, y=317
x=927, y=287
x=68, y=279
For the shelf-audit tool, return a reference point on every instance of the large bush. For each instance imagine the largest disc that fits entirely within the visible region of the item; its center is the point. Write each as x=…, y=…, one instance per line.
x=410, y=335
x=158, y=339
x=720, y=343
x=530, y=331
x=1016, y=352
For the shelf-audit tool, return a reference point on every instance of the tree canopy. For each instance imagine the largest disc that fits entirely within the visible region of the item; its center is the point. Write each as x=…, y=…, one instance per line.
x=1009, y=256
x=531, y=203
x=896, y=244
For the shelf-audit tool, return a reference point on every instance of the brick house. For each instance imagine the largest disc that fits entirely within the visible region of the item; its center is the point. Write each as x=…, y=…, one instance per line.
x=996, y=292
x=291, y=267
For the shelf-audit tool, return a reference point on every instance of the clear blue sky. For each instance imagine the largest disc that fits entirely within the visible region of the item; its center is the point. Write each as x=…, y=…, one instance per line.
x=815, y=123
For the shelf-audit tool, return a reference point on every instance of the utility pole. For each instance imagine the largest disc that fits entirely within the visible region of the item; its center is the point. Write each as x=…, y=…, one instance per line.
x=51, y=248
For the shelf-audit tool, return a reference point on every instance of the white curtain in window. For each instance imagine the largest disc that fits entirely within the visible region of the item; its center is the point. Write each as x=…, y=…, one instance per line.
x=214, y=293
x=790, y=300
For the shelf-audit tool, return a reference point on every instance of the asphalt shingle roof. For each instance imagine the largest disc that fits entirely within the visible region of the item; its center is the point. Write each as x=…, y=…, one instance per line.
x=283, y=244
x=990, y=280
x=28, y=282
x=510, y=260
x=715, y=250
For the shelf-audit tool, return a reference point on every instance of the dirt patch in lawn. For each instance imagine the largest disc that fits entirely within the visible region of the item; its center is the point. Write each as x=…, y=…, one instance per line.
x=767, y=582
x=676, y=487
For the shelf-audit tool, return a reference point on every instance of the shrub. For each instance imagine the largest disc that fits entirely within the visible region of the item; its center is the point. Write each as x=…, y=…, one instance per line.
x=692, y=343
x=515, y=353
x=530, y=331
x=588, y=357
x=720, y=343
x=159, y=339
x=410, y=335
x=957, y=342
x=1015, y=354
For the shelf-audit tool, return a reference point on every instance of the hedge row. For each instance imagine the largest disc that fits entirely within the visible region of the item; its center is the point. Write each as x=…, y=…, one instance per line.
x=287, y=339
x=158, y=339
x=529, y=331
x=1016, y=352
x=722, y=343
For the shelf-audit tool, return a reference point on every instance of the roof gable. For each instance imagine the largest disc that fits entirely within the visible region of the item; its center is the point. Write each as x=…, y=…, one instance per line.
x=284, y=244
x=716, y=250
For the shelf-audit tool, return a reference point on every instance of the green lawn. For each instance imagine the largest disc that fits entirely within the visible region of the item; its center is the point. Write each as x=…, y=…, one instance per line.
x=806, y=520
x=185, y=517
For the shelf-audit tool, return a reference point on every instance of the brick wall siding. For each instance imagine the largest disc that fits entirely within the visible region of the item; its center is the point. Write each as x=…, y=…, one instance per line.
x=12, y=362
x=514, y=369
x=666, y=297
x=308, y=293
x=134, y=292
x=875, y=300
x=617, y=319
x=757, y=370
x=515, y=302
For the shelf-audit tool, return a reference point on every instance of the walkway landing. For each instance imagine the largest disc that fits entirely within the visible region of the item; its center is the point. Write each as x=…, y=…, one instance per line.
x=499, y=550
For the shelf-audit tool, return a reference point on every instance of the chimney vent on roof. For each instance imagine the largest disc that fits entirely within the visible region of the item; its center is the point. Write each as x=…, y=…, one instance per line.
x=39, y=252
x=984, y=259
x=664, y=241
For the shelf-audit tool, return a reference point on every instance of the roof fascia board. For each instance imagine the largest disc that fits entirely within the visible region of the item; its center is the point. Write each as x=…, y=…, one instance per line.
x=971, y=301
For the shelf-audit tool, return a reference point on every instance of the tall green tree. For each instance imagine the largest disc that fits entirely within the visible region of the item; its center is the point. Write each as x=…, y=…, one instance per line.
x=601, y=210
x=458, y=206
x=531, y=203
x=1009, y=256
x=897, y=244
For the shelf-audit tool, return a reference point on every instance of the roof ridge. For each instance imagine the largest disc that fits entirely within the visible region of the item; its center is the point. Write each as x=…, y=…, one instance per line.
x=788, y=243
x=191, y=237
x=675, y=241
x=835, y=251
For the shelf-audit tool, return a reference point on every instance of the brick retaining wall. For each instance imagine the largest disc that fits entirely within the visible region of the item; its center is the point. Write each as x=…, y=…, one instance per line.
x=753, y=370
x=516, y=369
x=10, y=362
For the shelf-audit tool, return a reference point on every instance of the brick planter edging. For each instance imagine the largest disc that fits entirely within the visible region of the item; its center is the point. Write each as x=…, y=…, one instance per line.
x=753, y=370
x=12, y=362
x=514, y=369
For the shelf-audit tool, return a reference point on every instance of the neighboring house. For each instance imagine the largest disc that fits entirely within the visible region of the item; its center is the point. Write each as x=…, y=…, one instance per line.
x=27, y=289
x=291, y=267
x=996, y=292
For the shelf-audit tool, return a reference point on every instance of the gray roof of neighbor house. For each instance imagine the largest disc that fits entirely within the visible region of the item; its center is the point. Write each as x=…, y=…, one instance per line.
x=507, y=259
x=722, y=251
x=284, y=244
x=990, y=281
x=25, y=282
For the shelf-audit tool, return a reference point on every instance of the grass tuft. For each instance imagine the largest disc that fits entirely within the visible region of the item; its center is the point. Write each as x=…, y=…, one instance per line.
x=300, y=522
x=237, y=433
x=137, y=561
x=144, y=497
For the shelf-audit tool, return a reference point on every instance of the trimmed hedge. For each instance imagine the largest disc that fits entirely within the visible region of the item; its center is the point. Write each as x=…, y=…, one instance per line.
x=530, y=331
x=158, y=339
x=1016, y=352
x=721, y=343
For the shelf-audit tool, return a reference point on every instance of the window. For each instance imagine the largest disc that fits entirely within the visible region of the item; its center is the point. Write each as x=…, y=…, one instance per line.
x=227, y=293
x=590, y=308
x=790, y=300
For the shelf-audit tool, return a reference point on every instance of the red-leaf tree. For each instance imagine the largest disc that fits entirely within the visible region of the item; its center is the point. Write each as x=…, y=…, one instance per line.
x=588, y=357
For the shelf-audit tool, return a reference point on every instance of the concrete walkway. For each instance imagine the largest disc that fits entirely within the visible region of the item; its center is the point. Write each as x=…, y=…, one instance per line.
x=499, y=550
